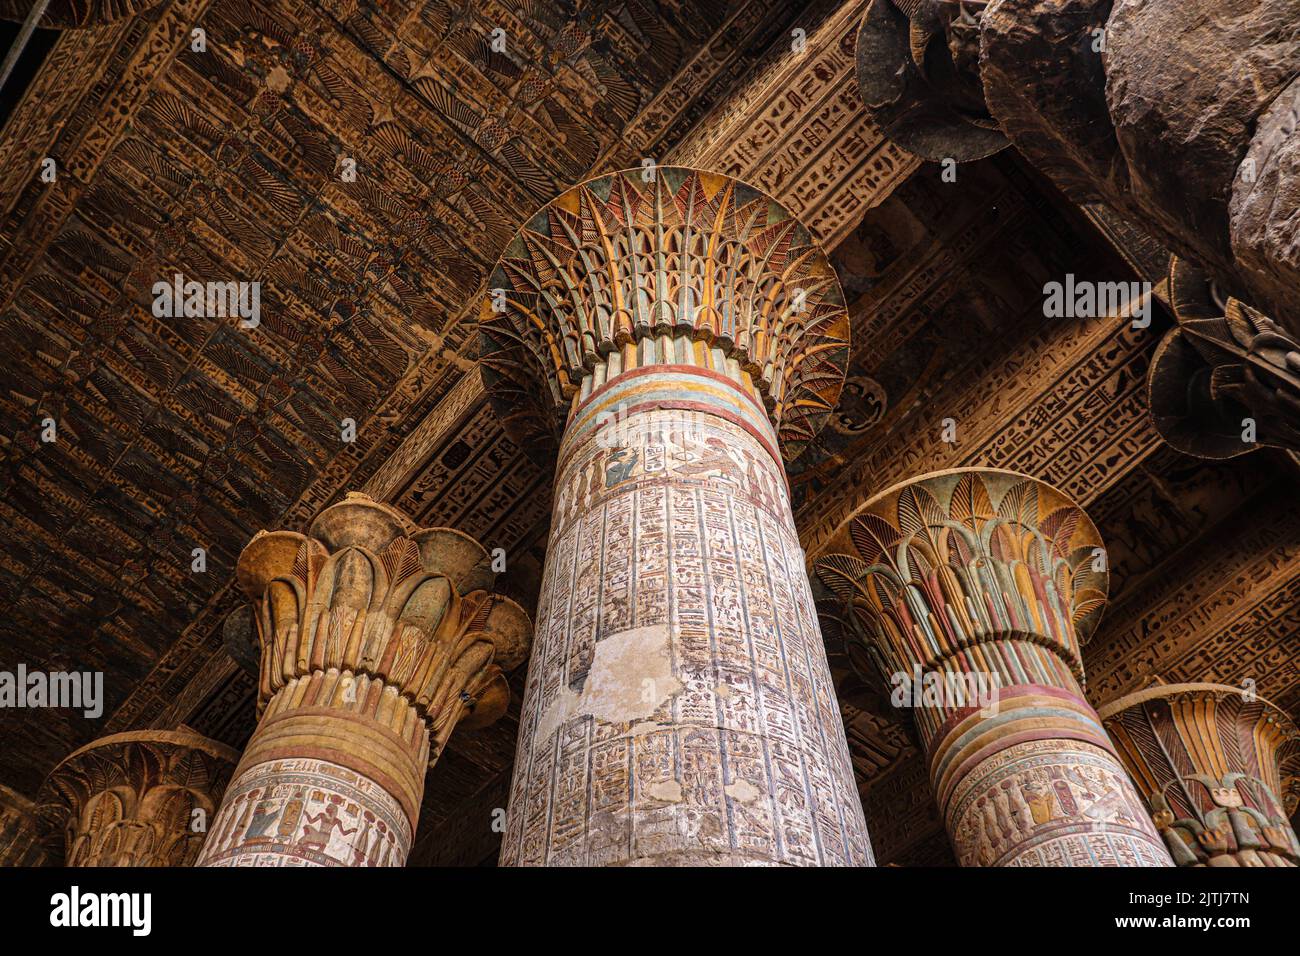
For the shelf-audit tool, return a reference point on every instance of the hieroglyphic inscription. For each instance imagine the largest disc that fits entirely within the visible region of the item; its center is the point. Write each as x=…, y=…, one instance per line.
x=679, y=708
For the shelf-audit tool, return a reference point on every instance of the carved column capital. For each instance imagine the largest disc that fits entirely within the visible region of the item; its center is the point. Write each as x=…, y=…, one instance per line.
x=1178, y=117
x=1207, y=759
x=130, y=799
x=950, y=560
x=1290, y=770
x=384, y=606
x=664, y=266
x=377, y=640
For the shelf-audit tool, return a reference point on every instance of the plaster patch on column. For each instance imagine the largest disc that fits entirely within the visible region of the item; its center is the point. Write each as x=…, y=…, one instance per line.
x=666, y=791
x=743, y=791
x=631, y=675
x=630, y=678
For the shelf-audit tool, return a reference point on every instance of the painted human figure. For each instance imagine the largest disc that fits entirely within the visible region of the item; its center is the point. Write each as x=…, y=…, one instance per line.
x=714, y=457
x=998, y=798
x=361, y=846
x=1038, y=798
x=587, y=484
x=759, y=481
x=377, y=847
x=1021, y=816
x=619, y=468
x=240, y=821
x=988, y=831
x=321, y=826
x=264, y=815
x=989, y=816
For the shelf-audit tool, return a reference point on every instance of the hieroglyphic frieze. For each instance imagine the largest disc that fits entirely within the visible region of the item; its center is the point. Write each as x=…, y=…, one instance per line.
x=308, y=813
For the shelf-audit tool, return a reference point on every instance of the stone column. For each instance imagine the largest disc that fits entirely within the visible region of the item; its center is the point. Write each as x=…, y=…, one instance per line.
x=141, y=798
x=19, y=839
x=971, y=591
x=1206, y=759
x=377, y=640
x=681, y=331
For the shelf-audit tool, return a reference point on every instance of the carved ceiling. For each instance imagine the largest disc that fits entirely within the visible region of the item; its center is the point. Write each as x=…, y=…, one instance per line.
x=232, y=164
x=176, y=434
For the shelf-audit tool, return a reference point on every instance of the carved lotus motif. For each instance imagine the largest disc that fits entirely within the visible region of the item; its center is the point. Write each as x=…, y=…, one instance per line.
x=955, y=558
x=364, y=593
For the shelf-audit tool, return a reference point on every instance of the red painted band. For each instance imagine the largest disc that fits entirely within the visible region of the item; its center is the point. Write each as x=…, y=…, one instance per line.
x=673, y=369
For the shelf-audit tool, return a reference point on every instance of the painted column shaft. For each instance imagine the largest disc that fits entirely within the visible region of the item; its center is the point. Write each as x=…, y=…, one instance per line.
x=1032, y=780
x=981, y=584
x=682, y=333
x=679, y=709
x=332, y=776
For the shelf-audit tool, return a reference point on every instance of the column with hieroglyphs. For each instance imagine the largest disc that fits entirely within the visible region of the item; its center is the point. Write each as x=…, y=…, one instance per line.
x=970, y=593
x=682, y=333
